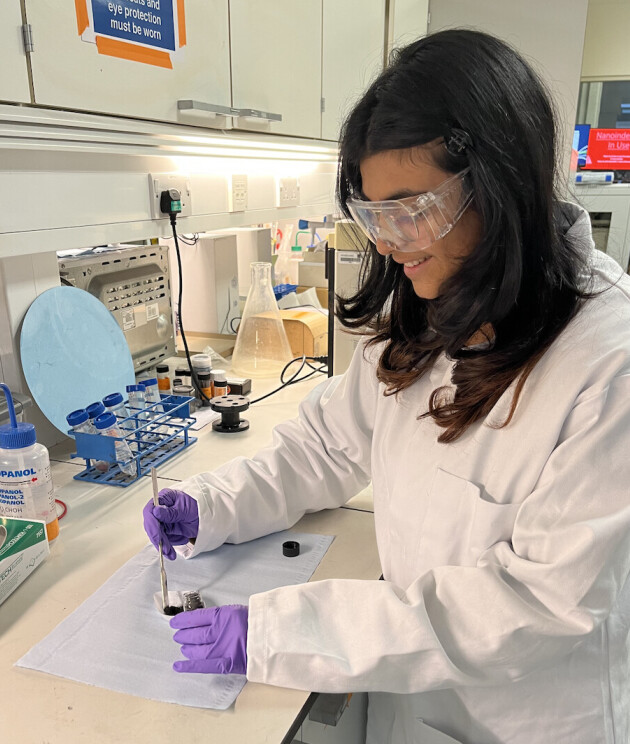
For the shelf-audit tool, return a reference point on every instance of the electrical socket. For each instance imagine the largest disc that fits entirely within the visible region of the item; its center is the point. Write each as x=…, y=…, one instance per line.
x=159, y=182
x=238, y=194
x=288, y=192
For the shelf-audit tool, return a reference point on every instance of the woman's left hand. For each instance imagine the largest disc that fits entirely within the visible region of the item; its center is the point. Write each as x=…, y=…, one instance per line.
x=214, y=640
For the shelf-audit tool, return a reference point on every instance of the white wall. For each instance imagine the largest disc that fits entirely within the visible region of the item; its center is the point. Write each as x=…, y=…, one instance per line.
x=549, y=33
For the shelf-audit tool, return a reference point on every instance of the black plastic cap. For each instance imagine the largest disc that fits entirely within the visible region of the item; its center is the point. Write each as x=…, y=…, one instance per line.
x=291, y=548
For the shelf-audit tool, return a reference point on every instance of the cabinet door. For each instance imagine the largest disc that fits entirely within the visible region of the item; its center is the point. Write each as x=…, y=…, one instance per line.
x=276, y=62
x=130, y=57
x=353, y=44
x=409, y=21
x=14, y=80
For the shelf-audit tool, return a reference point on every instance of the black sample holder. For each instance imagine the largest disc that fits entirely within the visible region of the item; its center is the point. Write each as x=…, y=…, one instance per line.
x=229, y=406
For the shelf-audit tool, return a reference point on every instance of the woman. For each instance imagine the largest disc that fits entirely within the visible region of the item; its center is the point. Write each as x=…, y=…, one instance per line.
x=490, y=407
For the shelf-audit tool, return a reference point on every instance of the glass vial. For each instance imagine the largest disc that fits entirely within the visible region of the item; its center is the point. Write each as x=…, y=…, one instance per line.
x=107, y=426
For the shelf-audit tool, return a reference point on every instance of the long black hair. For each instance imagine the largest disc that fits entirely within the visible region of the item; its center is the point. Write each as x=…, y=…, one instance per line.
x=524, y=280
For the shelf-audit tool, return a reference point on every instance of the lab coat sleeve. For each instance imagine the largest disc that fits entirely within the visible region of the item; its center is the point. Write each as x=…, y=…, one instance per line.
x=523, y=605
x=317, y=461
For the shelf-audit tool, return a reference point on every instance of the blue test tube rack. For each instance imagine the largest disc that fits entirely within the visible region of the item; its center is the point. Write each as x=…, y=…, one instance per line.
x=154, y=436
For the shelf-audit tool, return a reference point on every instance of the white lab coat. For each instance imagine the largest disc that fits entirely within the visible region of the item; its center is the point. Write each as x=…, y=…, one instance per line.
x=505, y=610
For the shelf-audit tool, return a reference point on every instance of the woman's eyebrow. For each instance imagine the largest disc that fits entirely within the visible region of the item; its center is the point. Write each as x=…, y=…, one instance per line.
x=402, y=194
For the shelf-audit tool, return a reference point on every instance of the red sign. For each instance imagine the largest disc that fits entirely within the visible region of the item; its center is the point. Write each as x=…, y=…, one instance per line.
x=608, y=149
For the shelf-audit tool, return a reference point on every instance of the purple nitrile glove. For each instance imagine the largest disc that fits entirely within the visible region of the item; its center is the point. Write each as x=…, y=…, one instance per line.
x=175, y=521
x=214, y=640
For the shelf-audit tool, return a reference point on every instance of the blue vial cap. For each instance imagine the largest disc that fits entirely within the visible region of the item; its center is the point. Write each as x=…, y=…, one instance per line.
x=135, y=388
x=95, y=409
x=15, y=435
x=113, y=399
x=105, y=420
x=77, y=417
x=149, y=382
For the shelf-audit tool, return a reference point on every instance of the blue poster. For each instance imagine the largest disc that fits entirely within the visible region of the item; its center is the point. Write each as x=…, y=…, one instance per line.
x=148, y=22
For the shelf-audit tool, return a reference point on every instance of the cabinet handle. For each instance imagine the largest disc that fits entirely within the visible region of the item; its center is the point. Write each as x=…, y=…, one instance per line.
x=248, y=113
x=210, y=108
x=216, y=109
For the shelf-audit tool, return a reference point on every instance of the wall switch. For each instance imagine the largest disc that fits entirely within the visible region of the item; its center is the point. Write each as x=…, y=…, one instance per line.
x=159, y=182
x=238, y=193
x=288, y=192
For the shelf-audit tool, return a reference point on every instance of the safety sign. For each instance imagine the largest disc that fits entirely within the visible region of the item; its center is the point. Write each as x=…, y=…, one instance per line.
x=147, y=31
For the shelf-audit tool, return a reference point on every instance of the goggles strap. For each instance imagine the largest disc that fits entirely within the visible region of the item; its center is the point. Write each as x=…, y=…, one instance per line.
x=457, y=141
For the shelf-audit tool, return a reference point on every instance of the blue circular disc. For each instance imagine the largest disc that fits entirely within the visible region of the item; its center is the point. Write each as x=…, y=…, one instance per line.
x=73, y=353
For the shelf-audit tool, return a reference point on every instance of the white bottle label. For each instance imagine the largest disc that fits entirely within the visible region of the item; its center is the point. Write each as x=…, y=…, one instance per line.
x=27, y=493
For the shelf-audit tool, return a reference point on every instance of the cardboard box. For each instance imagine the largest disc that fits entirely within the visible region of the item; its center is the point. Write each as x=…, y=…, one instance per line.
x=23, y=546
x=322, y=294
x=307, y=331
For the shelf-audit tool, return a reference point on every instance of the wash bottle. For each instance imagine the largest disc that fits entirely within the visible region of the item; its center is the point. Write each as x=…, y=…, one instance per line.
x=26, y=488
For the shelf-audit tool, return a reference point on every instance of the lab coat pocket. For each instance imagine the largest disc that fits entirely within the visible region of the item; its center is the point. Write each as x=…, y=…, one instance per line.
x=424, y=734
x=460, y=524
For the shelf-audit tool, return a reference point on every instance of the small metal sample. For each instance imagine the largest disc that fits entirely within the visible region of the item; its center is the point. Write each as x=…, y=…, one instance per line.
x=192, y=601
x=179, y=602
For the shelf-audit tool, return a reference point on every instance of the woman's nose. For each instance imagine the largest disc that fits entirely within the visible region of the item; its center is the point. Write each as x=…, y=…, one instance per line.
x=384, y=247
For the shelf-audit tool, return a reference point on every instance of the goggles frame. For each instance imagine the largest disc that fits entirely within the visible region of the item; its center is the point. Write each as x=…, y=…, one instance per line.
x=414, y=222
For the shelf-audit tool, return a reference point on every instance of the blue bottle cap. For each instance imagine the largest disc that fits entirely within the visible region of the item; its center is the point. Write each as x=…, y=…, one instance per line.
x=105, y=421
x=150, y=381
x=15, y=435
x=113, y=399
x=135, y=388
x=77, y=417
x=95, y=409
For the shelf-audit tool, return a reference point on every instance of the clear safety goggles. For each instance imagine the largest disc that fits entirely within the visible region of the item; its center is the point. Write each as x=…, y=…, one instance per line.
x=413, y=223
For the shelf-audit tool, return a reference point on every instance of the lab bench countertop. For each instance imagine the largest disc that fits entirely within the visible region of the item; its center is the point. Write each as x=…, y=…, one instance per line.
x=100, y=532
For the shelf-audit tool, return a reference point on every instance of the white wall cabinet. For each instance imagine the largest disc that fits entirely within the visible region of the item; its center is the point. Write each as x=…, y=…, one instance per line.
x=14, y=85
x=352, y=56
x=276, y=62
x=307, y=61
x=70, y=73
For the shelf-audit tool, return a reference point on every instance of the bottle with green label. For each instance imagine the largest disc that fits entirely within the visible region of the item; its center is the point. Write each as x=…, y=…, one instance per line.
x=26, y=488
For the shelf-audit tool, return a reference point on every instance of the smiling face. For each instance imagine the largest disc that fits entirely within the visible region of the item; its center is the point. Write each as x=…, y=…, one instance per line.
x=395, y=174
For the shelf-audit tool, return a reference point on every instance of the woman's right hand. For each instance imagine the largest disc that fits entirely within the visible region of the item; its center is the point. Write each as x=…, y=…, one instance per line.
x=174, y=522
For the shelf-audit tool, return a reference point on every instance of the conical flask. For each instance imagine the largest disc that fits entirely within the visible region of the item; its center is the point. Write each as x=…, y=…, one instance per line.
x=262, y=348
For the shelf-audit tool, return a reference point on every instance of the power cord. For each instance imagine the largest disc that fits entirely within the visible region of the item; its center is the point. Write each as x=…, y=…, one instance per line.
x=170, y=203
x=305, y=361
x=192, y=241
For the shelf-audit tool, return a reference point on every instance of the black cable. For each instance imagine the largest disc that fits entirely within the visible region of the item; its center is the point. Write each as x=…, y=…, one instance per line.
x=239, y=318
x=193, y=241
x=294, y=379
x=304, y=359
x=193, y=374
